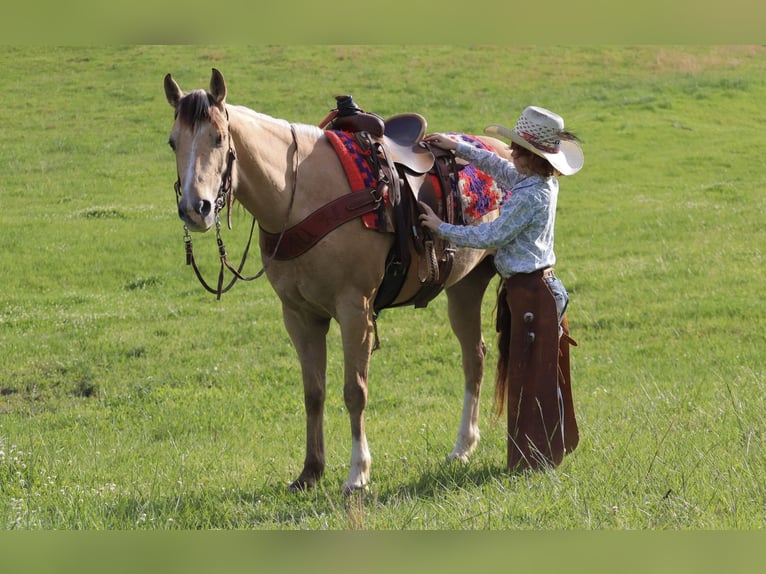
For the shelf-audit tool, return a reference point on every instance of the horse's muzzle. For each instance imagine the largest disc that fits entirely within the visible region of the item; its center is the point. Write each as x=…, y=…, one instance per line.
x=200, y=218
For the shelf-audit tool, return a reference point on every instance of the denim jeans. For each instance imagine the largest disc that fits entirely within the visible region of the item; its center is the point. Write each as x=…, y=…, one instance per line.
x=559, y=294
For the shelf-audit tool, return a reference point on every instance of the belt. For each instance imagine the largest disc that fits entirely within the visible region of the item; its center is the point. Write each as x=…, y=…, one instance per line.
x=546, y=273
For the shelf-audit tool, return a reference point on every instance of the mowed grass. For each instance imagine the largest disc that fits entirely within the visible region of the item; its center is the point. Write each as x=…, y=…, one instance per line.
x=132, y=399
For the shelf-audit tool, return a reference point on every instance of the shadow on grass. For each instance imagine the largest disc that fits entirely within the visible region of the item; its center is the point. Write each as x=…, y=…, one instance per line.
x=235, y=508
x=273, y=506
x=447, y=477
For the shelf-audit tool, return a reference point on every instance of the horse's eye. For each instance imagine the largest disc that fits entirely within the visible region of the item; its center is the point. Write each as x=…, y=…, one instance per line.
x=172, y=144
x=218, y=140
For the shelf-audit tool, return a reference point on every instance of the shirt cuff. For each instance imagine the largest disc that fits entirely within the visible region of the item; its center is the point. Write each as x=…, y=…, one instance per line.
x=442, y=229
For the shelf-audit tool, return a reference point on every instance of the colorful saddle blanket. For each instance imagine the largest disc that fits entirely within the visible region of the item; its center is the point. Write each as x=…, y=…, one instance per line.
x=479, y=193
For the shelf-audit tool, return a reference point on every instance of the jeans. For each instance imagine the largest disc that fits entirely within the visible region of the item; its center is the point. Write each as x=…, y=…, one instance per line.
x=559, y=294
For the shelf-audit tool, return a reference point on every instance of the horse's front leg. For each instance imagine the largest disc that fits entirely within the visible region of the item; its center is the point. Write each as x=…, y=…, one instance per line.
x=358, y=336
x=464, y=300
x=309, y=335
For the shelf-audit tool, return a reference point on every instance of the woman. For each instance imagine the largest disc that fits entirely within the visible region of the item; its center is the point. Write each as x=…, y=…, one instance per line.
x=533, y=368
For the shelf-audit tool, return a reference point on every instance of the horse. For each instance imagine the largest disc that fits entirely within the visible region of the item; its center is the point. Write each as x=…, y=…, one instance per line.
x=281, y=172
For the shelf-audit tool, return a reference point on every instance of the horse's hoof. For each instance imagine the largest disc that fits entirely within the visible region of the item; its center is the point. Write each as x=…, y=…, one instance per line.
x=302, y=485
x=458, y=457
x=460, y=454
x=350, y=489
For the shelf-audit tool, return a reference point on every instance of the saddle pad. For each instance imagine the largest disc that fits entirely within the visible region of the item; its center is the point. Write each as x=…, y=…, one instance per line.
x=479, y=193
x=358, y=171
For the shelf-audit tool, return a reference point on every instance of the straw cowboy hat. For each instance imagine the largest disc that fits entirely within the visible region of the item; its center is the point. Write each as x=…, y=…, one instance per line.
x=542, y=132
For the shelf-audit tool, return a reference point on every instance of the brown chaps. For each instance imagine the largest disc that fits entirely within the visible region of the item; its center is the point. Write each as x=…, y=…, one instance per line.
x=542, y=427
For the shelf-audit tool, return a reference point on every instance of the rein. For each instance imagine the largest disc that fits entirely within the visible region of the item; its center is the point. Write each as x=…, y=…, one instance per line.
x=226, y=198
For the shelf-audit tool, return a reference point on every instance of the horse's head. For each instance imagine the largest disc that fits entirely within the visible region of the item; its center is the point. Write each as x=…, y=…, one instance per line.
x=204, y=153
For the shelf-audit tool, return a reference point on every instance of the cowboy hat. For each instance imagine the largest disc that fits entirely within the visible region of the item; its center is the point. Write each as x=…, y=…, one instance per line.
x=542, y=132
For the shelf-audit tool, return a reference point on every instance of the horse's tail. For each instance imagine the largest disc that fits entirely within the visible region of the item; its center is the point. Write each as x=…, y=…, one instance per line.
x=503, y=328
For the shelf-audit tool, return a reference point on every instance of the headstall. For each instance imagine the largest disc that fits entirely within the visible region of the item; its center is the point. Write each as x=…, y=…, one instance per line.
x=225, y=198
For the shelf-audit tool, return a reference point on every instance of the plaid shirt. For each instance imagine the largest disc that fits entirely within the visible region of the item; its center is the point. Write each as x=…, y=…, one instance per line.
x=523, y=232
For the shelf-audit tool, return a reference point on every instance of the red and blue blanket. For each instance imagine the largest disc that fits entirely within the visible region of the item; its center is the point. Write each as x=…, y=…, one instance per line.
x=358, y=171
x=479, y=193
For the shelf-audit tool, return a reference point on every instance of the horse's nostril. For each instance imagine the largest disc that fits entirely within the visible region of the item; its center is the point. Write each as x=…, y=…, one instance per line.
x=203, y=207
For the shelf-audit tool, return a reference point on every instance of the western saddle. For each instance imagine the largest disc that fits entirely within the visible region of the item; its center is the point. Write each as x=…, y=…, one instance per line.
x=410, y=171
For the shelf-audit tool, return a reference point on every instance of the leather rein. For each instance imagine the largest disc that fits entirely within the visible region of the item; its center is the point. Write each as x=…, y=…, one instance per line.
x=225, y=197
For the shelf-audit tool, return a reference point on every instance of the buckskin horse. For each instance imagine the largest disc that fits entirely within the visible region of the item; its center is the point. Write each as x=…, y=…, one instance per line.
x=282, y=173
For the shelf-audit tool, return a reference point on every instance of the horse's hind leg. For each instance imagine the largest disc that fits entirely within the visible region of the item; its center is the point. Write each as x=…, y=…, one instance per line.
x=464, y=305
x=309, y=335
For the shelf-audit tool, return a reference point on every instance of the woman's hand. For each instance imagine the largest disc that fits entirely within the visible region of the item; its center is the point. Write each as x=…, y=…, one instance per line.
x=428, y=218
x=440, y=141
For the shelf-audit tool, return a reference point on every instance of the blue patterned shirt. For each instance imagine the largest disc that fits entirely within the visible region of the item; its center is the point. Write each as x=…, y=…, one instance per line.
x=523, y=232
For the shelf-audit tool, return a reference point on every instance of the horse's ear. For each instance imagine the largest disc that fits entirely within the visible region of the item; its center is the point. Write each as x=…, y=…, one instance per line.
x=172, y=91
x=218, y=87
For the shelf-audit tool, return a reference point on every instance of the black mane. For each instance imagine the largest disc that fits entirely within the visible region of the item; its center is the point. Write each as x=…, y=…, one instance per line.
x=194, y=108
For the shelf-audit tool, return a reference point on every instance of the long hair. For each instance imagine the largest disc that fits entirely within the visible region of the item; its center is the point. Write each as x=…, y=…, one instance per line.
x=536, y=164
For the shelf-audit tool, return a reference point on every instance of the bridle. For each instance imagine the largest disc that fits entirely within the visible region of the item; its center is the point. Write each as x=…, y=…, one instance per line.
x=225, y=198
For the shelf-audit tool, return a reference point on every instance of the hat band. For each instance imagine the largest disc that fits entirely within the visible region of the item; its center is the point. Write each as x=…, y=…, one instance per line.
x=530, y=138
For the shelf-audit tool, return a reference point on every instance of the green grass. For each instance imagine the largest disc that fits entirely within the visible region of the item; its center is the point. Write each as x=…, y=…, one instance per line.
x=131, y=399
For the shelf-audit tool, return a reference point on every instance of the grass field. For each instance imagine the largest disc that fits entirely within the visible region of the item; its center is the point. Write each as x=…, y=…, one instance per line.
x=132, y=399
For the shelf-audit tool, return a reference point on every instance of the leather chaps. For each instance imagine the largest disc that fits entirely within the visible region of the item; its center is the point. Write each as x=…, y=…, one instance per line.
x=542, y=427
